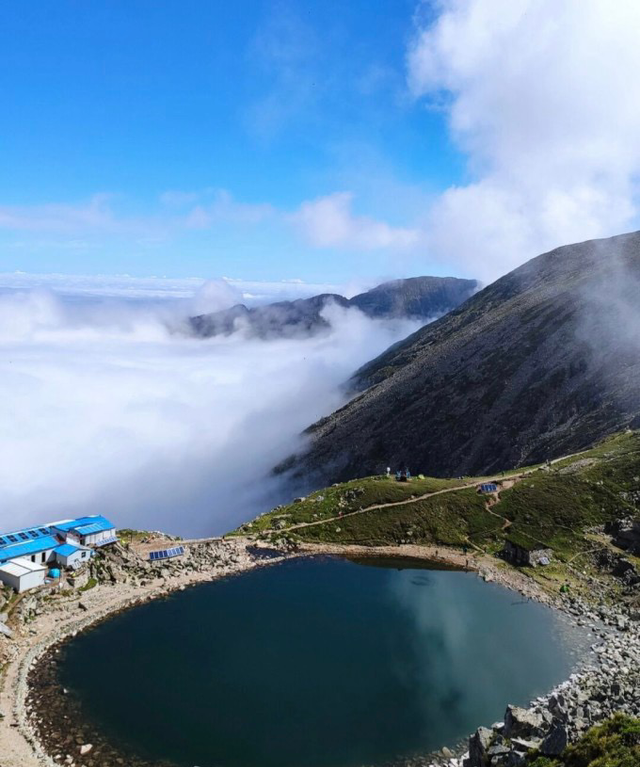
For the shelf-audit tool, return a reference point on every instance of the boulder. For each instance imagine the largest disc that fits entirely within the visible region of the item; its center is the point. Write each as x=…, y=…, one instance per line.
x=5, y=630
x=479, y=744
x=556, y=741
x=523, y=723
x=498, y=749
x=558, y=708
x=512, y=759
x=524, y=745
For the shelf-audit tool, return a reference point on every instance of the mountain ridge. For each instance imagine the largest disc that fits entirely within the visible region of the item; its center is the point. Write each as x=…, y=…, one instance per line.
x=539, y=363
x=414, y=297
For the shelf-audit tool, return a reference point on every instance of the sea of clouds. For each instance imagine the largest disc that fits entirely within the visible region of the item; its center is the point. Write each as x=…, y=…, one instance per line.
x=107, y=408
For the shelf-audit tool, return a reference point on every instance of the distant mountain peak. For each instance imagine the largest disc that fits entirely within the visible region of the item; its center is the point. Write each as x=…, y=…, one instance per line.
x=416, y=297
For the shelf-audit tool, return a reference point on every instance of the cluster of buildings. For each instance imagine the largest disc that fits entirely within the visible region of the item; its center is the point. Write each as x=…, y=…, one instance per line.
x=28, y=556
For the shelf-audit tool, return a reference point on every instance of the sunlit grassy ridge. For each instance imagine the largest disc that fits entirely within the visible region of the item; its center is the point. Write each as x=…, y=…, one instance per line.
x=550, y=505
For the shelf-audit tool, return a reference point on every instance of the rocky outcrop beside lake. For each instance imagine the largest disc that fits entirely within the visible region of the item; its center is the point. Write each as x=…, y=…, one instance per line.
x=609, y=683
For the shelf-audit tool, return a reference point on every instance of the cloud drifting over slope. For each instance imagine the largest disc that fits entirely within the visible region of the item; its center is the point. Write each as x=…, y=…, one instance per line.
x=544, y=98
x=105, y=410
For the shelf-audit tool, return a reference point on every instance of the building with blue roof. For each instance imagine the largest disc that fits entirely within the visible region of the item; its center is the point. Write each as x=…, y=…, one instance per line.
x=92, y=531
x=25, y=555
x=18, y=544
x=69, y=555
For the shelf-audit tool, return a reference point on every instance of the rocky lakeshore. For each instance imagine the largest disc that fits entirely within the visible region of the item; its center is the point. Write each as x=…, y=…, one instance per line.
x=32, y=734
x=607, y=683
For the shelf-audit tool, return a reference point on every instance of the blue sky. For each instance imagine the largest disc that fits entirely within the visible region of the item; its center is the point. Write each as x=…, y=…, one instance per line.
x=123, y=117
x=318, y=140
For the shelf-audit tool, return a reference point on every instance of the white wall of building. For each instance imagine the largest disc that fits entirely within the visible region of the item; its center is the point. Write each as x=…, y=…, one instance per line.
x=22, y=574
x=79, y=557
x=95, y=538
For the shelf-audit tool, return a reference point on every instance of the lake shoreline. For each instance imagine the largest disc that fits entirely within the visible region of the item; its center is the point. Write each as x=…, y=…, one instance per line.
x=23, y=734
x=20, y=743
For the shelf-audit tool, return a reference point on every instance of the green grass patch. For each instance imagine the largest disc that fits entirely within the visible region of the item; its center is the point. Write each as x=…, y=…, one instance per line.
x=447, y=519
x=345, y=498
x=553, y=506
x=90, y=584
x=616, y=743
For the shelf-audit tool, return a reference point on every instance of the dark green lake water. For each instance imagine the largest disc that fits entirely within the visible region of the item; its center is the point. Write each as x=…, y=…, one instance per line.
x=315, y=663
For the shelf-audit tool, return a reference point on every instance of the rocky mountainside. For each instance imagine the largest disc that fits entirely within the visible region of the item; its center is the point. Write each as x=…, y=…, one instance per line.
x=543, y=362
x=419, y=297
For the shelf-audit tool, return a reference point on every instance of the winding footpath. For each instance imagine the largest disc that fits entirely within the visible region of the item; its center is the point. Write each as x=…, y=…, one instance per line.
x=492, y=498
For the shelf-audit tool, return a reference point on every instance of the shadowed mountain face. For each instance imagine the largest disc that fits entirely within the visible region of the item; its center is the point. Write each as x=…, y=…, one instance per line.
x=417, y=297
x=542, y=362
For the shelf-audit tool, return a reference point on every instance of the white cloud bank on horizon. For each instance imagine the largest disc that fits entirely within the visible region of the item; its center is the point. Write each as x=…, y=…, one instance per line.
x=544, y=99
x=195, y=289
x=105, y=411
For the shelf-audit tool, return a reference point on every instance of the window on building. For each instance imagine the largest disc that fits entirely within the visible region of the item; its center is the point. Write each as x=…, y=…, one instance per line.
x=44, y=556
x=33, y=558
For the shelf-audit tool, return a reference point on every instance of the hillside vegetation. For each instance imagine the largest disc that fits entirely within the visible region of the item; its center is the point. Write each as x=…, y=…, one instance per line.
x=616, y=743
x=552, y=505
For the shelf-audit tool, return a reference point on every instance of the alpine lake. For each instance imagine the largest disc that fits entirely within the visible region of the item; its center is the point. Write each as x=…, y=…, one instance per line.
x=315, y=662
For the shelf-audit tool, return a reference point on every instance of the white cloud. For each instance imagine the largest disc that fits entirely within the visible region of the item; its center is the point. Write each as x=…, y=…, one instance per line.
x=125, y=286
x=65, y=218
x=223, y=207
x=188, y=210
x=104, y=410
x=288, y=57
x=177, y=198
x=544, y=98
x=326, y=222
x=329, y=222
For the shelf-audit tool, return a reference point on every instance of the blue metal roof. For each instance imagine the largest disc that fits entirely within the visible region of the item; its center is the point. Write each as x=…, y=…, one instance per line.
x=66, y=550
x=489, y=487
x=20, y=536
x=86, y=525
x=26, y=548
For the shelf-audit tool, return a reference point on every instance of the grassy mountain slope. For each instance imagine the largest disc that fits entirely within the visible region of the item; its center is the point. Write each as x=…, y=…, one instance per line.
x=553, y=505
x=542, y=362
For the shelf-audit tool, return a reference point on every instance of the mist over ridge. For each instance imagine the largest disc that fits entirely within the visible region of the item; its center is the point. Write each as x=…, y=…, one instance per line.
x=106, y=408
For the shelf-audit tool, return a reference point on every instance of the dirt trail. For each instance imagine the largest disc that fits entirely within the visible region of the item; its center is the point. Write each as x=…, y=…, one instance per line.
x=405, y=502
x=504, y=483
x=493, y=499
